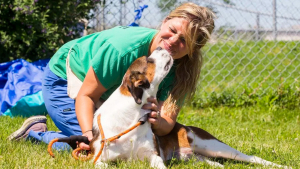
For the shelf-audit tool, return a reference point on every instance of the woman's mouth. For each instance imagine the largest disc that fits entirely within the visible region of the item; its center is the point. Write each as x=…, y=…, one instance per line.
x=167, y=46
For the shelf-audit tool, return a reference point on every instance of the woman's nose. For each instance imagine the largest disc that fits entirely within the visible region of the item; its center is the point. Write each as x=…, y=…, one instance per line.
x=173, y=39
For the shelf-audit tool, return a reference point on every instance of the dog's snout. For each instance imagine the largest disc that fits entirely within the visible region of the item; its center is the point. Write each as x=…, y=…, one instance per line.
x=159, y=48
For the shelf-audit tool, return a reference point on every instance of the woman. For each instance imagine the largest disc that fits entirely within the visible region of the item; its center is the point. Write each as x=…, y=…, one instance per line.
x=101, y=59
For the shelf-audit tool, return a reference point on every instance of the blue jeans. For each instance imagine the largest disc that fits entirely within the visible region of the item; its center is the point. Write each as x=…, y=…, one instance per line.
x=61, y=109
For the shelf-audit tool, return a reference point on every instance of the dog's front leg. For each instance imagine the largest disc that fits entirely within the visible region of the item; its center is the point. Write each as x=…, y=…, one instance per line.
x=147, y=150
x=99, y=163
x=149, y=154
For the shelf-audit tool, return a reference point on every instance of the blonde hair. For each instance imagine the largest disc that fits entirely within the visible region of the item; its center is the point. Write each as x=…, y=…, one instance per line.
x=188, y=68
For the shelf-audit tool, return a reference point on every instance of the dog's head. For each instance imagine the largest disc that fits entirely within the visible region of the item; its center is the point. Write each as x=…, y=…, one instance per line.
x=162, y=63
x=146, y=72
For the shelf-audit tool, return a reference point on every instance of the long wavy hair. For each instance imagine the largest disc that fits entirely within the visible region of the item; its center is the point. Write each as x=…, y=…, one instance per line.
x=188, y=68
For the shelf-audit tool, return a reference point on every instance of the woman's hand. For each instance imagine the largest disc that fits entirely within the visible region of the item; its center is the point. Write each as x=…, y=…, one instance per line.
x=161, y=123
x=89, y=135
x=154, y=117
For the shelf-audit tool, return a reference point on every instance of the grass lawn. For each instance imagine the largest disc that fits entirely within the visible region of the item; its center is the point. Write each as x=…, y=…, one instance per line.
x=270, y=134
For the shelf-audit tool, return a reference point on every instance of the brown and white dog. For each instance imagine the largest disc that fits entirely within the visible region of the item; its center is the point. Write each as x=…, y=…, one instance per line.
x=123, y=109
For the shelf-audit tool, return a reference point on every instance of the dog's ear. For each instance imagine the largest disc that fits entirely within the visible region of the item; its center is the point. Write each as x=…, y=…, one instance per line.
x=150, y=60
x=142, y=83
x=138, y=83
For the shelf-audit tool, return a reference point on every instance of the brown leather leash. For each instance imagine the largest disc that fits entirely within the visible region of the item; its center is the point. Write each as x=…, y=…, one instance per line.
x=102, y=141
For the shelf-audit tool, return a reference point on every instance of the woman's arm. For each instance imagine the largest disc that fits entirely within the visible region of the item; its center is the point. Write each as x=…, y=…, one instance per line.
x=161, y=124
x=88, y=95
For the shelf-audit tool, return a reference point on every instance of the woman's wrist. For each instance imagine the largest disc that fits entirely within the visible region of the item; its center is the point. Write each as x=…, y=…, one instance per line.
x=164, y=126
x=87, y=131
x=88, y=134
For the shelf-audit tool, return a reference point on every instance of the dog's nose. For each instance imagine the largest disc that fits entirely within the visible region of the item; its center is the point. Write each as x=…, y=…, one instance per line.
x=159, y=48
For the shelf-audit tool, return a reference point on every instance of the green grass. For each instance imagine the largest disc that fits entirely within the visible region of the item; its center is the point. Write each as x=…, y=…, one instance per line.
x=272, y=134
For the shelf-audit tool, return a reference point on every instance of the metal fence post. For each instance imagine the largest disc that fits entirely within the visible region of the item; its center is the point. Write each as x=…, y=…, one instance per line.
x=274, y=20
x=257, y=28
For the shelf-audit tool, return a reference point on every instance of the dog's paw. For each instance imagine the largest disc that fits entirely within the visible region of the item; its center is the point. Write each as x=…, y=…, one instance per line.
x=159, y=166
x=285, y=167
x=101, y=165
x=213, y=163
x=157, y=162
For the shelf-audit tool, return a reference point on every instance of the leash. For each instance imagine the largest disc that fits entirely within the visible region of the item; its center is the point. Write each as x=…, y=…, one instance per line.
x=73, y=139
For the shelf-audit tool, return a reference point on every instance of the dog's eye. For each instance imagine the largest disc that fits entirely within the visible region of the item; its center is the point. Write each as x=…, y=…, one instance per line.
x=167, y=67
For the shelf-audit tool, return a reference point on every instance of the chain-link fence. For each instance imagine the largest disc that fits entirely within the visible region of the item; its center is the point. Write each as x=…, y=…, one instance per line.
x=254, y=45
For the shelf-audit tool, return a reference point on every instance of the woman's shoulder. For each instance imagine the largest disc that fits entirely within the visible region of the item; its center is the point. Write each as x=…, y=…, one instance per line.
x=131, y=29
x=129, y=34
x=126, y=39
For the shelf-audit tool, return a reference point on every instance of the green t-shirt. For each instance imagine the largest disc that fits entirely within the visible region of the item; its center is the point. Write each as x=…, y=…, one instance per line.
x=110, y=53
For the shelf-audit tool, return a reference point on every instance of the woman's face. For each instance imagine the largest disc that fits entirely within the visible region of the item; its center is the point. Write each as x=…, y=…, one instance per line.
x=172, y=37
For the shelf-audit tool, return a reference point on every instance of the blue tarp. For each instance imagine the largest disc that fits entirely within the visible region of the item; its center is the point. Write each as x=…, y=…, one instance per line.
x=19, y=78
x=30, y=105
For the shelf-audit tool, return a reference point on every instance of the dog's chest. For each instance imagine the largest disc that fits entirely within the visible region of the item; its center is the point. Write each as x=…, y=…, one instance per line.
x=118, y=114
x=127, y=146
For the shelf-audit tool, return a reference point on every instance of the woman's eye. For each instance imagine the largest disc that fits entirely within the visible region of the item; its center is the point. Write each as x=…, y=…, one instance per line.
x=172, y=30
